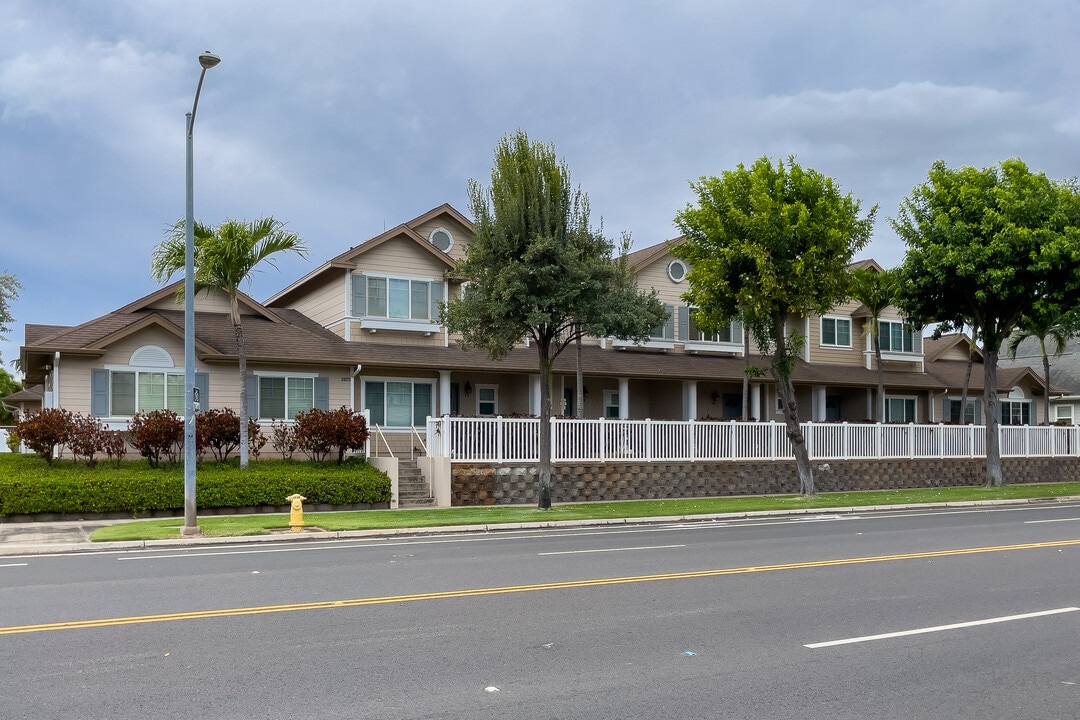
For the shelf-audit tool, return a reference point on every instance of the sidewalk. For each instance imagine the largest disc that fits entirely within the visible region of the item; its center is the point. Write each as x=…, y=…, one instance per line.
x=45, y=538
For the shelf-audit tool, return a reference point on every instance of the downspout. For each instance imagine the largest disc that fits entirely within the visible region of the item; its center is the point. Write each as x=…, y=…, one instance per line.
x=352, y=386
x=56, y=379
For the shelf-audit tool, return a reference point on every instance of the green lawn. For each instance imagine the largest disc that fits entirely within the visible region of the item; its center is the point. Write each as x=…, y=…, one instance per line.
x=232, y=525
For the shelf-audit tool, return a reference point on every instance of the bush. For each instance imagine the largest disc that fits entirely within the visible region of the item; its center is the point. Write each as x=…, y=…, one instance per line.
x=88, y=438
x=45, y=431
x=285, y=440
x=27, y=487
x=157, y=433
x=115, y=446
x=219, y=430
x=13, y=440
x=256, y=439
x=321, y=432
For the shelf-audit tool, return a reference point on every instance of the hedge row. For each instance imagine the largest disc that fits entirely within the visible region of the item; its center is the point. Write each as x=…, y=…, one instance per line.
x=28, y=487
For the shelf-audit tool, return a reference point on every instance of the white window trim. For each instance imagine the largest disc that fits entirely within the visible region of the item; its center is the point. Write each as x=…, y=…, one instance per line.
x=1063, y=406
x=897, y=354
x=821, y=332
x=448, y=234
x=973, y=400
x=494, y=401
x=374, y=323
x=685, y=271
x=433, y=382
x=262, y=420
x=137, y=369
x=902, y=397
x=693, y=345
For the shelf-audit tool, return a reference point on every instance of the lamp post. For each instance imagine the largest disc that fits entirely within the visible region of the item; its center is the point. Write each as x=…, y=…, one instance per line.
x=191, y=526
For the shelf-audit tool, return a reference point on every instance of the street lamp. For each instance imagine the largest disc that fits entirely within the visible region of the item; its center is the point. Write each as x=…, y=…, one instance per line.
x=191, y=525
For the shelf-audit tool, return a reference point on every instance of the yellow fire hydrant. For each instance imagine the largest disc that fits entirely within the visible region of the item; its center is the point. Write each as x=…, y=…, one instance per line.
x=296, y=514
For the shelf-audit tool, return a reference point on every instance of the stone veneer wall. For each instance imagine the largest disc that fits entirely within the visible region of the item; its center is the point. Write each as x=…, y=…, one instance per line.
x=479, y=484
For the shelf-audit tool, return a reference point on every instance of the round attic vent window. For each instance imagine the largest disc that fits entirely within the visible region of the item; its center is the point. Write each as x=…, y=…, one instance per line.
x=676, y=270
x=441, y=239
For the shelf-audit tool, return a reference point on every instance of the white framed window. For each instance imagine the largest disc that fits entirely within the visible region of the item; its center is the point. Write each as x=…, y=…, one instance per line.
x=281, y=397
x=1015, y=412
x=836, y=332
x=611, y=404
x=896, y=337
x=487, y=399
x=732, y=334
x=399, y=402
x=143, y=391
x=900, y=409
x=396, y=298
x=676, y=270
x=1063, y=413
x=972, y=413
x=441, y=239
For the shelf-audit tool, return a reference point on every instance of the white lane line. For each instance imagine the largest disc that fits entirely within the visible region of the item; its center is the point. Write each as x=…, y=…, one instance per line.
x=1036, y=522
x=605, y=550
x=939, y=628
x=14, y=565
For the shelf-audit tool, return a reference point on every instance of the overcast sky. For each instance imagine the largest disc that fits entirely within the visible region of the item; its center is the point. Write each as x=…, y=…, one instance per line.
x=346, y=118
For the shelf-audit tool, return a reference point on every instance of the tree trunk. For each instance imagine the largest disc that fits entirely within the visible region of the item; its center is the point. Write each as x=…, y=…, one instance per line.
x=791, y=411
x=1046, y=381
x=579, y=404
x=993, y=427
x=242, y=354
x=544, y=444
x=746, y=376
x=876, y=335
x=967, y=380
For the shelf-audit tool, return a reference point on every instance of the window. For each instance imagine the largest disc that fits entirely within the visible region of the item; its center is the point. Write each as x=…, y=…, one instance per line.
x=896, y=337
x=399, y=403
x=1064, y=413
x=836, y=332
x=487, y=399
x=611, y=404
x=899, y=409
x=145, y=391
x=676, y=270
x=281, y=398
x=666, y=330
x=396, y=298
x=691, y=333
x=833, y=407
x=1015, y=412
x=972, y=414
x=442, y=239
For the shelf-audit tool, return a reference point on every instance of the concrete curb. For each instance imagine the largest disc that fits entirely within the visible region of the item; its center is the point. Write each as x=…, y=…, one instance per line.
x=21, y=550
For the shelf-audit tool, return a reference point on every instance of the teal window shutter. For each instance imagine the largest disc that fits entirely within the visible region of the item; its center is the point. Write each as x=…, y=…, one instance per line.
x=438, y=295
x=202, y=382
x=99, y=393
x=252, y=383
x=322, y=393
x=359, y=295
x=669, y=326
x=684, y=323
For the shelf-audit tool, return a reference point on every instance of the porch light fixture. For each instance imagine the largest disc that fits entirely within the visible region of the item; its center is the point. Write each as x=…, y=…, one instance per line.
x=715, y=396
x=191, y=527
x=468, y=388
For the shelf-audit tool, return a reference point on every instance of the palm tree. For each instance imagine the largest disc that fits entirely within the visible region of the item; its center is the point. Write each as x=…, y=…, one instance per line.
x=877, y=291
x=225, y=257
x=1050, y=327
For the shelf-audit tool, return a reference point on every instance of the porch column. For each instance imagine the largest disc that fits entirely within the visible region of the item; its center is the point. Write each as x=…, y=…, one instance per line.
x=819, y=403
x=689, y=399
x=624, y=398
x=534, y=394
x=755, y=401
x=444, y=392
x=930, y=406
x=870, y=405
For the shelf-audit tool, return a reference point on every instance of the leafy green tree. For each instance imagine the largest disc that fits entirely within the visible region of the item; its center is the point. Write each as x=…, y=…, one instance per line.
x=225, y=258
x=8, y=385
x=536, y=269
x=1052, y=330
x=877, y=291
x=987, y=247
x=764, y=242
x=9, y=293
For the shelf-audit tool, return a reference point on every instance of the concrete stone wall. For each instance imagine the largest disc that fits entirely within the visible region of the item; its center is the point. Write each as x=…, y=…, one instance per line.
x=479, y=484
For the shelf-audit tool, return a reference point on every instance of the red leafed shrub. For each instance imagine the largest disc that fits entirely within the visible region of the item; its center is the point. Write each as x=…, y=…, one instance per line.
x=256, y=439
x=115, y=445
x=218, y=430
x=320, y=432
x=45, y=431
x=157, y=433
x=88, y=438
x=285, y=440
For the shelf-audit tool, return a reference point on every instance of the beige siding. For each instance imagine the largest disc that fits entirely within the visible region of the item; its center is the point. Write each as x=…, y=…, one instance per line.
x=206, y=301
x=837, y=355
x=397, y=337
x=461, y=235
x=325, y=303
x=400, y=256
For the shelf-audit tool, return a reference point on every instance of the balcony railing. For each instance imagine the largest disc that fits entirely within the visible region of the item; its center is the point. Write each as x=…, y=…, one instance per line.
x=504, y=440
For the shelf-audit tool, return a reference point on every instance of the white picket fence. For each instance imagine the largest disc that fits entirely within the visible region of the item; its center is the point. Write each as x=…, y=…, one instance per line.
x=503, y=440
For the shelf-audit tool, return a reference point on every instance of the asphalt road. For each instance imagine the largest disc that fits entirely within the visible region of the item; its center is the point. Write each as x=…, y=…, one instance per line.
x=915, y=614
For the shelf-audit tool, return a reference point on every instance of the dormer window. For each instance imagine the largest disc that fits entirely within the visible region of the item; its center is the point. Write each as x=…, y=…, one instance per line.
x=441, y=239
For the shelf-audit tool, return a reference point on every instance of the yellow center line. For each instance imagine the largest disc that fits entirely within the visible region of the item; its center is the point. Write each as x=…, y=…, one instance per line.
x=477, y=592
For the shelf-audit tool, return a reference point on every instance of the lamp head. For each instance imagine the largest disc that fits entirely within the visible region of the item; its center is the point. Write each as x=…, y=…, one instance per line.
x=208, y=60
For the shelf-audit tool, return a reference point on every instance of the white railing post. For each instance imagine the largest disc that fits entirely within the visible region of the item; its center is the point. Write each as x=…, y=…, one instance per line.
x=845, y=451
x=809, y=437
x=603, y=440
x=941, y=442
x=551, y=434
x=692, y=442
x=648, y=440
x=499, y=439
x=879, y=438
x=772, y=440
x=971, y=439
x=911, y=440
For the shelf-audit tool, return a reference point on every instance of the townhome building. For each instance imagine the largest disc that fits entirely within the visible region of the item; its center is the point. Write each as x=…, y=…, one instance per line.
x=361, y=331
